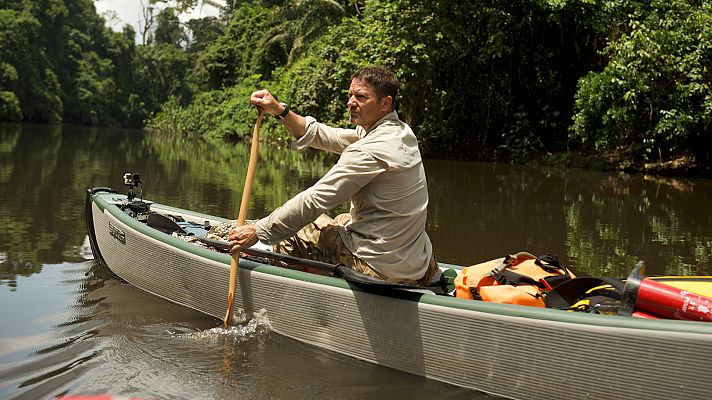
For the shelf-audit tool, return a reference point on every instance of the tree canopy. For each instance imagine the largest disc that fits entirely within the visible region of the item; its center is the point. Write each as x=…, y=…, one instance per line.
x=479, y=80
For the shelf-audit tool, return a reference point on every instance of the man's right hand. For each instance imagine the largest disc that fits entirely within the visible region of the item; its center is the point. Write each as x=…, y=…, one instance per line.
x=295, y=124
x=264, y=99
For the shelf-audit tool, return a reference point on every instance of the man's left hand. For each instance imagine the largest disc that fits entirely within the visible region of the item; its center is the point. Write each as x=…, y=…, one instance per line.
x=242, y=237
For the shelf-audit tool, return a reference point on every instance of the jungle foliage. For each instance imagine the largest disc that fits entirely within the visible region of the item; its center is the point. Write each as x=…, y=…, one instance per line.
x=60, y=63
x=490, y=79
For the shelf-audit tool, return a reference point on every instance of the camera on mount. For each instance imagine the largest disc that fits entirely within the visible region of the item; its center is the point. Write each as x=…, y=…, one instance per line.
x=132, y=180
x=135, y=208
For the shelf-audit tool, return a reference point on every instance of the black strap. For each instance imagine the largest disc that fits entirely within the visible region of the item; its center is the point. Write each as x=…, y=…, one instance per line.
x=475, y=293
x=551, y=263
x=569, y=292
x=509, y=261
x=556, y=280
x=508, y=277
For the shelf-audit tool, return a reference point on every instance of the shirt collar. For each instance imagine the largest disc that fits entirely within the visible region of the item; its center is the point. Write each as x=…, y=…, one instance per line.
x=391, y=116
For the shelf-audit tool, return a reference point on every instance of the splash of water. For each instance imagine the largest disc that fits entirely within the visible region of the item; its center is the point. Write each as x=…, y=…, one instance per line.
x=243, y=329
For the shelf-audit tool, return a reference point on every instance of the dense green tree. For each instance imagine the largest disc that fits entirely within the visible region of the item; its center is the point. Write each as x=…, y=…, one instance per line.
x=10, y=109
x=59, y=76
x=162, y=71
x=28, y=78
x=168, y=29
x=203, y=32
x=60, y=63
x=299, y=22
x=129, y=107
x=476, y=79
x=236, y=54
x=76, y=45
x=480, y=80
x=653, y=100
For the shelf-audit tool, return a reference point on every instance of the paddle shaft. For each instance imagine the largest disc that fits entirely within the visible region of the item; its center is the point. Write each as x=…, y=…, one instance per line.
x=242, y=215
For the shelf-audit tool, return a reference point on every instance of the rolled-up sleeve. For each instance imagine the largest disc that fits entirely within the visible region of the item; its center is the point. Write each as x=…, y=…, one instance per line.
x=324, y=137
x=354, y=170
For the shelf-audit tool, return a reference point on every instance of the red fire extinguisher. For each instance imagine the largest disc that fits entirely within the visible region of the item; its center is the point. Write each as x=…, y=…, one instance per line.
x=646, y=298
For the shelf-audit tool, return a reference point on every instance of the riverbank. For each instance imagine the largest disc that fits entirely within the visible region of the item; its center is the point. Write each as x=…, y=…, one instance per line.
x=682, y=166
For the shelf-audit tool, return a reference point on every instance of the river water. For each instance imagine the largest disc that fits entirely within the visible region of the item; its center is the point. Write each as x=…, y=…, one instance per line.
x=68, y=327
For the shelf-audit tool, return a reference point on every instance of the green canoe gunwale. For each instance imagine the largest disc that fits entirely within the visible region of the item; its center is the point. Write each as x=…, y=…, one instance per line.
x=98, y=197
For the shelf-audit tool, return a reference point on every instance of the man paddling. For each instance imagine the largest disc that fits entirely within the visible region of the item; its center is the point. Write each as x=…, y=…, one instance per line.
x=379, y=170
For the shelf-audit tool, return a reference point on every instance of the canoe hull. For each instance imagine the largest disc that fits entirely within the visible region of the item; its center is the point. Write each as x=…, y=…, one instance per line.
x=510, y=351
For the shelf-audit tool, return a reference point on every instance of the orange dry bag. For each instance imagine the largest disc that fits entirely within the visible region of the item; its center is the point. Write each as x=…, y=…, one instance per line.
x=515, y=279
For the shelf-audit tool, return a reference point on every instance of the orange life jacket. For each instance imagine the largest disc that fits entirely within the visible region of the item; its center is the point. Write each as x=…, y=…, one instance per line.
x=516, y=279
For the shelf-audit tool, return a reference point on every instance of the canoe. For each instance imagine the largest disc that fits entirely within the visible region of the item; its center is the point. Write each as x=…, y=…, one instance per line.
x=505, y=350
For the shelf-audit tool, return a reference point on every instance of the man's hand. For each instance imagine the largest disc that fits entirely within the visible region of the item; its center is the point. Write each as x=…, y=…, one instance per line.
x=263, y=98
x=295, y=124
x=242, y=237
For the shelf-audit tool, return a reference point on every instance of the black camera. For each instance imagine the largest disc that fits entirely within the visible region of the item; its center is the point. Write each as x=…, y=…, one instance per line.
x=132, y=180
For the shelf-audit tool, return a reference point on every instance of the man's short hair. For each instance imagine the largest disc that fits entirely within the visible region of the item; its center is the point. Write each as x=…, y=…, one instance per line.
x=383, y=81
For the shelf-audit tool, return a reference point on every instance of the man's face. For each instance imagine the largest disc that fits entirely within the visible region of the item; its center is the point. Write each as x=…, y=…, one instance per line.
x=364, y=107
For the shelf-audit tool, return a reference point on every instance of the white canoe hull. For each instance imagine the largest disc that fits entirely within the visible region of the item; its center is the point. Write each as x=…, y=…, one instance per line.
x=511, y=351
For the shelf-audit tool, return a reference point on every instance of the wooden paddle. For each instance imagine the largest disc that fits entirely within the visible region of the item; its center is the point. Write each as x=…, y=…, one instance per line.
x=242, y=215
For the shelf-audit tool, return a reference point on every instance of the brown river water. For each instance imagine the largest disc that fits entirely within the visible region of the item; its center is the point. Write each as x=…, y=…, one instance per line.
x=68, y=327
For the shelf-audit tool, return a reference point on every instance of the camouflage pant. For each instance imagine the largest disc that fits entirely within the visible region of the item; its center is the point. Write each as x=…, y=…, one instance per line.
x=321, y=241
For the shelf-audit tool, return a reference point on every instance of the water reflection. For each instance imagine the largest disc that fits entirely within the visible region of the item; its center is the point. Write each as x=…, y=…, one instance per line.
x=69, y=326
x=49, y=338
x=46, y=170
x=602, y=223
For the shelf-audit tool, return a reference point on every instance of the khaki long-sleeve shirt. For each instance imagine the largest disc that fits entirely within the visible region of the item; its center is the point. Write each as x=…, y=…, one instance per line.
x=382, y=174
